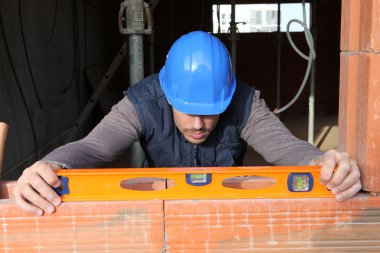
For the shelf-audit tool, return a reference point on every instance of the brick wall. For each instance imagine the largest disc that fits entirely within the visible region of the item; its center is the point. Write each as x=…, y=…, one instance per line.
x=359, y=105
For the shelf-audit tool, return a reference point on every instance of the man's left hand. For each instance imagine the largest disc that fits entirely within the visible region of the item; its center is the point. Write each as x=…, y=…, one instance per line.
x=340, y=174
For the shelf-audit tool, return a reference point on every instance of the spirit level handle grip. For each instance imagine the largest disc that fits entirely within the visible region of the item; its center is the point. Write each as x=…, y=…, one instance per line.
x=63, y=189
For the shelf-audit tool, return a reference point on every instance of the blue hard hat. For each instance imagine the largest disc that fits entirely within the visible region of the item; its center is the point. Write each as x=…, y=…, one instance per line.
x=197, y=77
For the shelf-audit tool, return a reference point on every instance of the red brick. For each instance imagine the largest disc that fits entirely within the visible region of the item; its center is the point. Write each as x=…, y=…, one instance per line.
x=347, y=102
x=112, y=226
x=277, y=225
x=375, y=36
x=368, y=123
x=370, y=25
x=244, y=225
x=360, y=25
x=359, y=114
x=350, y=25
x=359, y=105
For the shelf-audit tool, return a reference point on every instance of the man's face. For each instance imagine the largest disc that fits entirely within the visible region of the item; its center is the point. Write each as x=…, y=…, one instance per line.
x=195, y=128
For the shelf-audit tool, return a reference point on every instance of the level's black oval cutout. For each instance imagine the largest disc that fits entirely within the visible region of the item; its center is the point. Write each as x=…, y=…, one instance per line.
x=147, y=184
x=248, y=182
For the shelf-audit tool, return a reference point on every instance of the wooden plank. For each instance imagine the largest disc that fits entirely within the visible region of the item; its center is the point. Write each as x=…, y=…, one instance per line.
x=3, y=137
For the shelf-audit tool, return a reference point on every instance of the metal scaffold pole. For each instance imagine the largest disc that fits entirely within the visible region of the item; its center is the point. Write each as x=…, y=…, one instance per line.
x=233, y=36
x=136, y=13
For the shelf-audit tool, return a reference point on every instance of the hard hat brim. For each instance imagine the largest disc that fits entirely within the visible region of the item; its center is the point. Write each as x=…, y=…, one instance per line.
x=196, y=108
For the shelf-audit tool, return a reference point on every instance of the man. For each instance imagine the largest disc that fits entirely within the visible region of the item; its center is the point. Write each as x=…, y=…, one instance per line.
x=194, y=113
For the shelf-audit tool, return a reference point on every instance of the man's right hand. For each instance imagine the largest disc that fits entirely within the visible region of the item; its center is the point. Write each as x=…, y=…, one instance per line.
x=33, y=191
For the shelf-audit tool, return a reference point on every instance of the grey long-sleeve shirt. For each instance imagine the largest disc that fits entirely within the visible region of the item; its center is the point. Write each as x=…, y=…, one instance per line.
x=263, y=131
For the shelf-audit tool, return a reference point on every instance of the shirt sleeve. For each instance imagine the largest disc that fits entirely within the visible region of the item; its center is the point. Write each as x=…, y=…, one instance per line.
x=266, y=134
x=109, y=139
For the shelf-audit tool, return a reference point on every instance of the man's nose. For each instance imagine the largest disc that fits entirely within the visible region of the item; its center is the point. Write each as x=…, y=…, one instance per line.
x=197, y=122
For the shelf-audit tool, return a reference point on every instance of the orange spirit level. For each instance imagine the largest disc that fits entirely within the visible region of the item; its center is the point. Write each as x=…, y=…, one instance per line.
x=191, y=183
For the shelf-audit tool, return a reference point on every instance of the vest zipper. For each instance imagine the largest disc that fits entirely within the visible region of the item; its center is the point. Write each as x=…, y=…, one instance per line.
x=196, y=161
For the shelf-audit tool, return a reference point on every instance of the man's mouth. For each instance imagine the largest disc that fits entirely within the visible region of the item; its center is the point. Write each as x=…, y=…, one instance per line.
x=198, y=135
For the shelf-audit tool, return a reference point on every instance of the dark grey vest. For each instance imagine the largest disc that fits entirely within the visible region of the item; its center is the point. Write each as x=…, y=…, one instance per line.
x=165, y=146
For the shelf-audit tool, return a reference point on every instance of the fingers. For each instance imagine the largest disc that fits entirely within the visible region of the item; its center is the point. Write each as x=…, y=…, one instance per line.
x=342, y=169
x=30, y=201
x=344, y=188
x=33, y=192
x=48, y=174
x=24, y=204
x=340, y=174
x=348, y=192
x=329, y=162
